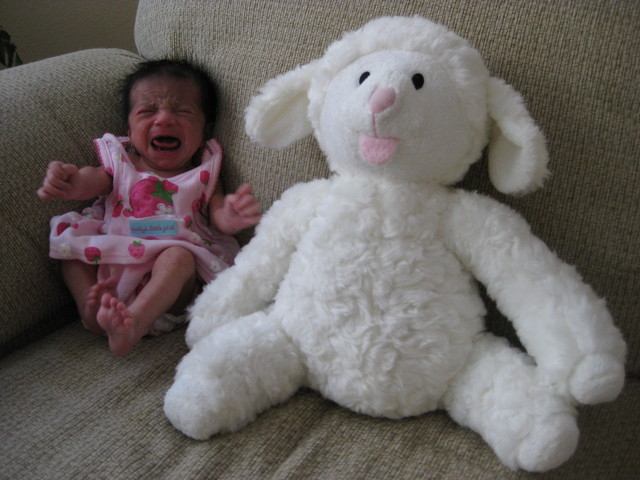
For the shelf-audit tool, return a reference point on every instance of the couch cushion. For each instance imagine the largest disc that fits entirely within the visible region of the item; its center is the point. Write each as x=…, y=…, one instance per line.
x=66, y=102
x=576, y=63
x=70, y=409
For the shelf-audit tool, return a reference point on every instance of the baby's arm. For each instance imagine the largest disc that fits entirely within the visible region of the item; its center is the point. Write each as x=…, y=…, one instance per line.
x=68, y=182
x=236, y=211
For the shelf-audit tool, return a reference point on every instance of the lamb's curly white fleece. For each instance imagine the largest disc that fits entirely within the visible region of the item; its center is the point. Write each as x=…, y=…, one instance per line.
x=363, y=286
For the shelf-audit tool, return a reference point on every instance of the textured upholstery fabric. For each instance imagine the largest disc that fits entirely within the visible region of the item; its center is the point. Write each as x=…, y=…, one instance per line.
x=70, y=409
x=48, y=111
x=60, y=419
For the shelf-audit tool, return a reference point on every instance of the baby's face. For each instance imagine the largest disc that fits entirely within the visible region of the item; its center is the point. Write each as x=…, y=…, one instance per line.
x=166, y=123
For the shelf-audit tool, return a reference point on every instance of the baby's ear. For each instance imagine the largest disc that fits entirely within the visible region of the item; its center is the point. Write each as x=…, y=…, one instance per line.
x=517, y=149
x=277, y=116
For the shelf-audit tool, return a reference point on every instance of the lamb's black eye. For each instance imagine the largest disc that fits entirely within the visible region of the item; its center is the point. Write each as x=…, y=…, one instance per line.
x=363, y=77
x=418, y=81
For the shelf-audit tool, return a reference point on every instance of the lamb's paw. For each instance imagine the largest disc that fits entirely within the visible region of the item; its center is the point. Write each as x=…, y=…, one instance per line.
x=189, y=409
x=597, y=378
x=200, y=326
x=196, y=330
x=549, y=444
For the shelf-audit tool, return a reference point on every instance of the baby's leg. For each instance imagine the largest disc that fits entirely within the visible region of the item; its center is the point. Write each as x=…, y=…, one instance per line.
x=170, y=289
x=81, y=279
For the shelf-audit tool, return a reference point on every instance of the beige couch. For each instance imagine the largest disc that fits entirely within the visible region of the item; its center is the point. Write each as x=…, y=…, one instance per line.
x=70, y=409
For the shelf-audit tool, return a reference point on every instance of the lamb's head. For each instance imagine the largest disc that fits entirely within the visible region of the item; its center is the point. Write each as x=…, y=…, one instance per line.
x=406, y=99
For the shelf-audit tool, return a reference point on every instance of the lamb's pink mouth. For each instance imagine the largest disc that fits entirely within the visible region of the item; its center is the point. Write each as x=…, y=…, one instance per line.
x=377, y=150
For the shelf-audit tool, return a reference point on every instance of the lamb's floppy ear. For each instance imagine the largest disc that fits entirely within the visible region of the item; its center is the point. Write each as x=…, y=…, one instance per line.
x=517, y=149
x=277, y=116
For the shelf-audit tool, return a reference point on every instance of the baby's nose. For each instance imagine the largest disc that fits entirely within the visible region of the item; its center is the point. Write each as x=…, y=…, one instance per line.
x=164, y=117
x=382, y=99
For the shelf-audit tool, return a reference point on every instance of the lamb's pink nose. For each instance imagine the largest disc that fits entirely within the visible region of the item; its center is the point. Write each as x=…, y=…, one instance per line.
x=382, y=99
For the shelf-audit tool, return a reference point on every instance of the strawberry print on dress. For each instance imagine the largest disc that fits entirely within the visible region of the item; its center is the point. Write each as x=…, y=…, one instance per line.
x=125, y=231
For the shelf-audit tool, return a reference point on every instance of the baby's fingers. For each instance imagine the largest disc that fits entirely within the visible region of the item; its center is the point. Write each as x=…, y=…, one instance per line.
x=61, y=170
x=44, y=193
x=244, y=198
x=244, y=189
x=241, y=202
x=49, y=191
x=56, y=183
x=249, y=210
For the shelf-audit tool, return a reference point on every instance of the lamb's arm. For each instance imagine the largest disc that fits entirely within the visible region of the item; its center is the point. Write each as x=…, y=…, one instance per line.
x=251, y=284
x=561, y=322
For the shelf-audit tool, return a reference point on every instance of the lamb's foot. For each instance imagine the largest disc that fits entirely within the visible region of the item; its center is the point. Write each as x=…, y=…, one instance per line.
x=232, y=375
x=500, y=396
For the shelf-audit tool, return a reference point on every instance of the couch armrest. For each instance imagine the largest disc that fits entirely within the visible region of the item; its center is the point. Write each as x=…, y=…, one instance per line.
x=49, y=110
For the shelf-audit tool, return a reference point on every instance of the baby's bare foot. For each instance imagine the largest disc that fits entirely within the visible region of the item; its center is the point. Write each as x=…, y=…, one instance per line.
x=92, y=304
x=116, y=320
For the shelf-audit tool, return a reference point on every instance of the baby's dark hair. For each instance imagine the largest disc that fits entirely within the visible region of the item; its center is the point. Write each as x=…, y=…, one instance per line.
x=175, y=69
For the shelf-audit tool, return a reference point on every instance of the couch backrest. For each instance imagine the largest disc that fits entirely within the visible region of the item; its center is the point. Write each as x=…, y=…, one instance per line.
x=576, y=64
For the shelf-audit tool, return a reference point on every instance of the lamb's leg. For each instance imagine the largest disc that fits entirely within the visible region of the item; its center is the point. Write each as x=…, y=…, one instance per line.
x=500, y=396
x=231, y=375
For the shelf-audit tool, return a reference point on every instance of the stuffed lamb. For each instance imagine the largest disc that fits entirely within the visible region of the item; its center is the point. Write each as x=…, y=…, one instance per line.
x=362, y=285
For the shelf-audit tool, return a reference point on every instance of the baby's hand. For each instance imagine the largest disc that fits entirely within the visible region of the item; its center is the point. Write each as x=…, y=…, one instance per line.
x=240, y=210
x=58, y=182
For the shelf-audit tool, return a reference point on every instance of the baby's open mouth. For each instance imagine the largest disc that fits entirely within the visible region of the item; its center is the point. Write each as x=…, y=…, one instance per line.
x=166, y=143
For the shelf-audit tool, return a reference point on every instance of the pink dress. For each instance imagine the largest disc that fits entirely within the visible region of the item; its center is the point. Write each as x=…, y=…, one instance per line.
x=125, y=231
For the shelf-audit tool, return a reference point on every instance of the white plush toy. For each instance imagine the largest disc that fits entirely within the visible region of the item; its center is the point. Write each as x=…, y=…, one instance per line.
x=361, y=285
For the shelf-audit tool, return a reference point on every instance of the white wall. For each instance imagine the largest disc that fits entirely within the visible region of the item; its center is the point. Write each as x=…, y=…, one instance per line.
x=46, y=28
